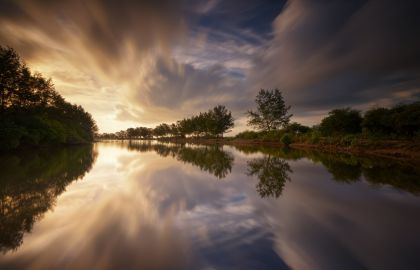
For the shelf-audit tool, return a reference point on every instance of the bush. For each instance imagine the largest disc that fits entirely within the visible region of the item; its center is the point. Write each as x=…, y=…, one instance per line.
x=286, y=139
x=247, y=135
x=341, y=121
x=348, y=140
x=315, y=136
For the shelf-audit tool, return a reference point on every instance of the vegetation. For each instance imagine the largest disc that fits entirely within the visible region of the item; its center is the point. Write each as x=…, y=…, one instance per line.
x=341, y=121
x=401, y=121
x=211, y=159
x=342, y=127
x=30, y=182
x=272, y=112
x=343, y=167
x=32, y=112
x=272, y=173
x=211, y=124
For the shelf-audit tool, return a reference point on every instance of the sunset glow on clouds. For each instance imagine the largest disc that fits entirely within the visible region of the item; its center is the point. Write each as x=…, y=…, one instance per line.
x=134, y=63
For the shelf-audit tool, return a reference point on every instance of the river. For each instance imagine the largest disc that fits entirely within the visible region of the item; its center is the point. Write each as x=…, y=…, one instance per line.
x=148, y=205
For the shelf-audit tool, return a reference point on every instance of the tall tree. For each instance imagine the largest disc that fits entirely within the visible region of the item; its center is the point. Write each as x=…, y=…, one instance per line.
x=10, y=69
x=272, y=112
x=221, y=120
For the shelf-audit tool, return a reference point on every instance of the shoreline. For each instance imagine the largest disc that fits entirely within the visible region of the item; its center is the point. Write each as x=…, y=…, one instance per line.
x=400, y=150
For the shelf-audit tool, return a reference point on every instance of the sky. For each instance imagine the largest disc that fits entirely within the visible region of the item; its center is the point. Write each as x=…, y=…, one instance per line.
x=140, y=63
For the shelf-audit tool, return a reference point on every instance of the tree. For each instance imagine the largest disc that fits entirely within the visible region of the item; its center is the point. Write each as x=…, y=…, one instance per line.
x=297, y=128
x=10, y=68
x=131, y=132
x=33, y=112
x=272, y=112
x=406, y=119
x=341, y=121
x=378, y=121
x=161, y=130
x=221, y=120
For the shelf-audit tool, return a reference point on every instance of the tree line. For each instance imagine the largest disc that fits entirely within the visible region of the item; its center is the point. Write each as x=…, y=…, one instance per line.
x=31, y=181
x=211, y=124
x=32, y=112
x=272, y=122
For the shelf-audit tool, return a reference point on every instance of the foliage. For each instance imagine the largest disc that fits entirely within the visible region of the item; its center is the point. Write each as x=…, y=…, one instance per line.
x=212, y=159
x=247, y=135
x=32, y=112
x=30, y=182
x=213, y=123
x=272, y=112
x=296, y=128
x=272, y=173
x=286, y=139
x=341, y=121
x=401, y=121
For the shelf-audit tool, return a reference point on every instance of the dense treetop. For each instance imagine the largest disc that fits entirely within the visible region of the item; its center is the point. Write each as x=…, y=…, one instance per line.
x=32, y=112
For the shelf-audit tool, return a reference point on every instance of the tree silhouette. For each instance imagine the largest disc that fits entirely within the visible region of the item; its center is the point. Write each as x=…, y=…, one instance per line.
x=32, y=112
x=272, y=112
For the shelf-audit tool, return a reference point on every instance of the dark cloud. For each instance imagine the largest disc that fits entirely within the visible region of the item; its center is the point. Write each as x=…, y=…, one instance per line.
x=327, y=54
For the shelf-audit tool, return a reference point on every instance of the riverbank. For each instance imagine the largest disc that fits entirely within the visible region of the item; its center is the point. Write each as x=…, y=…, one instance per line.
x=397, y=149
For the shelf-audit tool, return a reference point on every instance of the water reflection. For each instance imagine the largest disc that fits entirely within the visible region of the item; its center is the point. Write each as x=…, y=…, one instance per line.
x=30, y=183
x=272, y=173
x=347, y=168
x=209, y=158
x=160, y=206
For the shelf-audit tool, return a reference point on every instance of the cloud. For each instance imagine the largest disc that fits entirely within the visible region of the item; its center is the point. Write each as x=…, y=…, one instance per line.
x=329, y=54
x=94, y=49
x=133, y=63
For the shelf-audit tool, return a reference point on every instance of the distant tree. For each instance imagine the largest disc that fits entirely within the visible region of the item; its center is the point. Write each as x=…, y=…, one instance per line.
x=174, y=130
x=378, y=121
x=272, y=112
x=131, y=133
x=297, y=128
x=161, y=130
x=341, y=121
x=144, y=132
x=406, y=119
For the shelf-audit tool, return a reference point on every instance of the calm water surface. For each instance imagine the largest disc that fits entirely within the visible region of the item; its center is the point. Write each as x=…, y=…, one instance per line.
x=120, y=205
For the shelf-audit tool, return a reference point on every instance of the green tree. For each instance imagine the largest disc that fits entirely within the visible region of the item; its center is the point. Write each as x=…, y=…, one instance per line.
x=297, y=128
x=378, y=121
x=33, y=112
x=341, y=121
x=221, y=120
x=272, y=112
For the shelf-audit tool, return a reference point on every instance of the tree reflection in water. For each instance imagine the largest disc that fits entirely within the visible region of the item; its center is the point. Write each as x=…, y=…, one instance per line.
x=30, y=183
x=210, y=158
x=347, y=168
x=272, y=170
x=272, y=173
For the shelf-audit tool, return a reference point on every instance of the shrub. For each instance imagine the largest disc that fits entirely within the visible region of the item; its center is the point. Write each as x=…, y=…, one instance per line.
x=315, y=136
x=286, y=139
x=247, y=135
x=341, y=121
